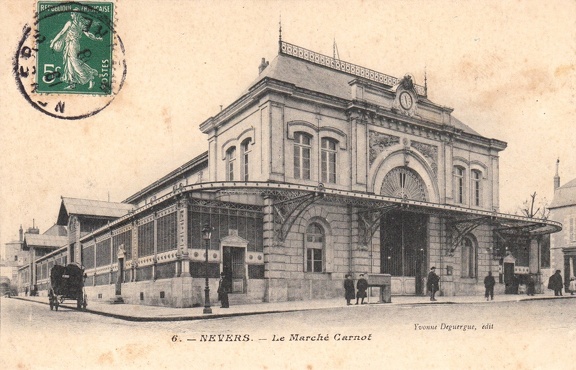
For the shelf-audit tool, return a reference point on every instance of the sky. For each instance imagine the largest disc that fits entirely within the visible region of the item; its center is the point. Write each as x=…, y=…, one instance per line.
x=507, y=68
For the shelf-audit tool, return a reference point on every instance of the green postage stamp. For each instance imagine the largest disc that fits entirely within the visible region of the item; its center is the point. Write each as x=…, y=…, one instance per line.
x=70, y=62
x=76, y=48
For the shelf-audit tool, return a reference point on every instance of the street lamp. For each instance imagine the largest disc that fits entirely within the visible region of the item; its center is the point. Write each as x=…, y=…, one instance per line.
x=206, y=234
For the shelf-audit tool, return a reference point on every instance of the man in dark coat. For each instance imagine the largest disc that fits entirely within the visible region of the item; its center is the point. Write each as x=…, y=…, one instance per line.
x=361, y=285
x=348, y=289
x=224, y=287
x=531, y=286
x=489, y=283
x=555, y=283
x=432, y=283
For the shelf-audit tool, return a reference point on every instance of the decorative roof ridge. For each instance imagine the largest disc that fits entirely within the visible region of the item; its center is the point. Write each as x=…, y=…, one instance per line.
x=342, y=66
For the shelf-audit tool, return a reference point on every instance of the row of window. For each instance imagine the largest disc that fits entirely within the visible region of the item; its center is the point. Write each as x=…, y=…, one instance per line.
x=302, y=159
x=302, y=156
x=244, y=158
x=460, y=188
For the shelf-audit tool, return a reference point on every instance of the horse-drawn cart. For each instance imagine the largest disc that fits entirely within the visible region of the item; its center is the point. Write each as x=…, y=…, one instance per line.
x=67, y=282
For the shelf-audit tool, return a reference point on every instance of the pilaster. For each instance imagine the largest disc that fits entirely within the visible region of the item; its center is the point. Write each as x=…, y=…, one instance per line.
x=183, y=263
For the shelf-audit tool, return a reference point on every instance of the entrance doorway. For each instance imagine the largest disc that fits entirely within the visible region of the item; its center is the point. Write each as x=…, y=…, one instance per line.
x=403, y=245
x=233, y=264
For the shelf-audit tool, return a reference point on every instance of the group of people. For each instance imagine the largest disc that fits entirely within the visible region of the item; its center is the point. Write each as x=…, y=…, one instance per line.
x=359, y=293
x=433, y=285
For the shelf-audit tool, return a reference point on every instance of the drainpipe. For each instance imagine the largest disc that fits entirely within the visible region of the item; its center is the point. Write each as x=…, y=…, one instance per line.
x=350, y=240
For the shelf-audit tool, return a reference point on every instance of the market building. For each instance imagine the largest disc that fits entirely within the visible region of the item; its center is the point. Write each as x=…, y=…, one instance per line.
x=320, y=168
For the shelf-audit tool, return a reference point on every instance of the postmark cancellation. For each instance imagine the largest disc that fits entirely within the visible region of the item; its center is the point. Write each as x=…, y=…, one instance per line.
x=70, y=61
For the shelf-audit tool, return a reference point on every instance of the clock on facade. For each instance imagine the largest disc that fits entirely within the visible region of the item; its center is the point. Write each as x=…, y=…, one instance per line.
x=405, y=100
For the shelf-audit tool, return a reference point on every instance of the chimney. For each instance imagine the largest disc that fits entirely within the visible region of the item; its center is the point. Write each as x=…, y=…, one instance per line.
x=262, y=65
x=21, y=233
x=33, y=229
x=557, y=177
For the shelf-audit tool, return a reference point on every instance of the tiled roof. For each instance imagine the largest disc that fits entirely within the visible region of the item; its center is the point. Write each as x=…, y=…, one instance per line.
x=565, y=195
x=314, y=77
x=308, y=76
x=88, y=207
x=45, y=241
x=57, y=230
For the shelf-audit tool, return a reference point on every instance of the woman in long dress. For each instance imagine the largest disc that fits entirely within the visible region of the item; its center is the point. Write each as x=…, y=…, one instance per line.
x=76, y=71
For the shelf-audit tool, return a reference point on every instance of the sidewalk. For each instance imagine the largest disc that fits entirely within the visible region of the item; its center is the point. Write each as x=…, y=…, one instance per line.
x=133, y=312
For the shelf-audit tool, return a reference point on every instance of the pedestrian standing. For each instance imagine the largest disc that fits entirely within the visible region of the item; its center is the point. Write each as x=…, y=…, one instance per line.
x=572, y=285
x=555, y=283
x=531, y=285
x=432, y=285
x=348, y=289
x=361, y=286
x=489, y=283
x=224, y=287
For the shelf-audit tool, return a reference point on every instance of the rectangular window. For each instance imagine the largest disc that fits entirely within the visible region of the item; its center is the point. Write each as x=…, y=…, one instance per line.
x=302, y=150
x=314, y=260
x=245, y=159
x=230, y=159
x=103, y=253
x=146, y=239
x=459, y=185
x=476, y=178
x=88, y=257
x=166, y=232
x=573, y=229
x=328, y=159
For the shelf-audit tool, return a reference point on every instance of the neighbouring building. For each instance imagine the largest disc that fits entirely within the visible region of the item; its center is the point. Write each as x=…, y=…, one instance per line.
x=563, y=243
x=320, y=168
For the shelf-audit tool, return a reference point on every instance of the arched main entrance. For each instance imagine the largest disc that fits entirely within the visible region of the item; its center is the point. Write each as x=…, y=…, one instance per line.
x=404, y=235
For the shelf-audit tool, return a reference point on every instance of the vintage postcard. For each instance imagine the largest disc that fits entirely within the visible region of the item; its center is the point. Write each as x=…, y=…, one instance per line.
x=261, y=184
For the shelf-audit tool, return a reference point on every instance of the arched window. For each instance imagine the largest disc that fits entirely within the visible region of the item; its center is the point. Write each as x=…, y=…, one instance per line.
x=468, y=261
x=302, y=149
x=476, y=189
x=230, y=159
x=245, y=159
x=459, y=185
x=328, y=154
x=402, y=182
x=314, y=248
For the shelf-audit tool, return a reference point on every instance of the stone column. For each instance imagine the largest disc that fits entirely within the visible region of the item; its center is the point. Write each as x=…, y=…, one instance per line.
x=154, y=257
x=534, y=256
x=182, y=215
x=134, y=250
x=274, y=259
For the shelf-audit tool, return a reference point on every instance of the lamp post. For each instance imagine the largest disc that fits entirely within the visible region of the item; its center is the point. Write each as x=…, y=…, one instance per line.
x=206, y=234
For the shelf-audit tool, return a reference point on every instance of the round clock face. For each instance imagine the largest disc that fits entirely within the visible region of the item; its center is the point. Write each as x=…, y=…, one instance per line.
x=406, y=100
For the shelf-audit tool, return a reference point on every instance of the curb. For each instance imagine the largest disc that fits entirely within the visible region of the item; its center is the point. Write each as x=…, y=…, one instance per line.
x=224, y=315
